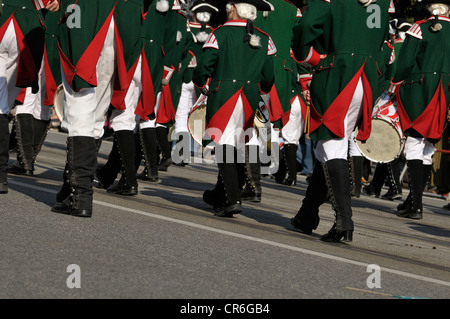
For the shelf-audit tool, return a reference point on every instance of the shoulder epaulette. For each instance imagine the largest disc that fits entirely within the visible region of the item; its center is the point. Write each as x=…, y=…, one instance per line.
x=415, y=31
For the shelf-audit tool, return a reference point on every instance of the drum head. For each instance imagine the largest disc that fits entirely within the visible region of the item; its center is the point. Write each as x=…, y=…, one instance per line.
x=384, y=144
x=197, y=122
x=58, y=103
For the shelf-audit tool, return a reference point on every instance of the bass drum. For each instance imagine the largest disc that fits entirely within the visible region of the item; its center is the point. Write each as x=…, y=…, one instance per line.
x=386, y=139
x=197, y=121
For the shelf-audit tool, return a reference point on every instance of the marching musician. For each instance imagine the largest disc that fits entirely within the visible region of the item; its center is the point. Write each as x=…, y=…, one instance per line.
x=285, y=67
x=88, y=47
x=391, y=170
x=21, y=51
x=158, y=14
x=32, y=119
x=201, y=15
x=234, y=90
x=421, y=88
x=344, y=78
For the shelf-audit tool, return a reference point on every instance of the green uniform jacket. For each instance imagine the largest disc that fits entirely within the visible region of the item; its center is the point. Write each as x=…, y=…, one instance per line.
x=279, y=25
x=422, y=80
x=52, y=63
x=351, y=36
x=129, y=19
x=177, y=44
x=231, y=67
x=196, y=29
x=83, y=29
x=30, y=37
x=385, y=67
x=152, y=37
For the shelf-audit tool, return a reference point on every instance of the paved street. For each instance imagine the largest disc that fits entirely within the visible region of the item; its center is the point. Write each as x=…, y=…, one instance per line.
x=166, y=243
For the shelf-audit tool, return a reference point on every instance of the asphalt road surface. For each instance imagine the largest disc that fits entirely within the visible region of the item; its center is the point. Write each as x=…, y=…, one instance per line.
x=165, y=243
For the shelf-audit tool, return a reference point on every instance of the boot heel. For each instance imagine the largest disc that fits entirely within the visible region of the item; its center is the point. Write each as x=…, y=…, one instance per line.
x=347, y=235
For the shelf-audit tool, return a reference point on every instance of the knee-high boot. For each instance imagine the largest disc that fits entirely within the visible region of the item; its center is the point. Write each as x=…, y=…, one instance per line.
x=426, y=169
x=252, y=175
x=290, y=156
x=395, y=188
x=356, y=172
x=106, y=174
x=149, y=146
x=4, y=153
x=82, y=161
x=338, y=181
x=164, y=145
x=25, y=141
x=379, y=176
x=307, y=218
x=63, y=203
x=127, y=185
x=417, y=179
x=40, y=129
x=229, y=173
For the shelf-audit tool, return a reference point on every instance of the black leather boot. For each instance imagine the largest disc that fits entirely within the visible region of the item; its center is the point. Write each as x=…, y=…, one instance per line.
x=63, y=200
x=25, y=142
x=127, y=185
x=40, y=129
x=106, y=174
x=252, y=184
x=338, y=181
x=307, y=218
x=395, y=188
x=216, y=197
x=149, y=146
x=164, y=145
x=290, y=156
x=82, y=160
x=229, y=173
x=4, y=153
x=356, y=172
x=379, y=176
x=418, y=175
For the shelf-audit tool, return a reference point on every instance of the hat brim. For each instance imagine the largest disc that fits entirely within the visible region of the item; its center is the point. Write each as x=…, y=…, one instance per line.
x=204, y=7
x=261, y=5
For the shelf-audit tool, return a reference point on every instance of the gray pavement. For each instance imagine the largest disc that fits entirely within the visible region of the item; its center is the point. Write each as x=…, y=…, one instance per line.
x=166, y=243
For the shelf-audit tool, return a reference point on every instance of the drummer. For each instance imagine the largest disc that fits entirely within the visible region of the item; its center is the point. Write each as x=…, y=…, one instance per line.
x=421, y=87
x=341, y=97
x=234, y=90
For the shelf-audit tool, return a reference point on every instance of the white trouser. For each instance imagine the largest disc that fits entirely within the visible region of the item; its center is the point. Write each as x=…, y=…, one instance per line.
x=187, y=101
x=84, y=111
x=143, y=124
x=126, y=120
x=417, y=148
x=9, y=60
x=353, y=150
x=338, y=147
x=234, y=134
x=293, y=129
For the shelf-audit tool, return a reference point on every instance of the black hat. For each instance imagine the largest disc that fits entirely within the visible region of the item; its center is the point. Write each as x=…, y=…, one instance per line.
x=203, y=6
x=401, y=25
x=261, y=5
